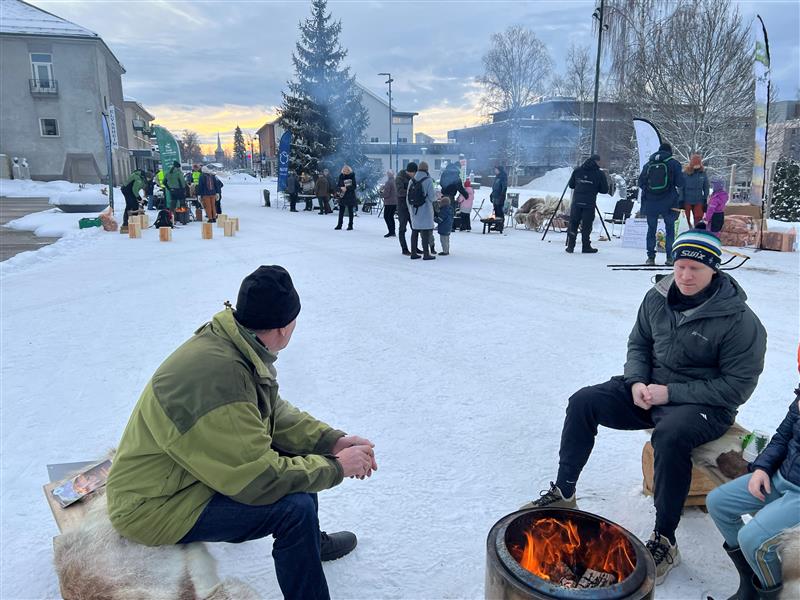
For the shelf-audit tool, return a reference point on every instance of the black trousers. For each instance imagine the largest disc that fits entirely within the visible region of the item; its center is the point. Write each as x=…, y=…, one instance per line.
x=583, y=215
x=350, y=213
x=293, y=202
x=427, y=241
x=388, y=216
x=131, y=204
x=403, y=222
x=466, y=225
x=324, y=205
x=678, y=429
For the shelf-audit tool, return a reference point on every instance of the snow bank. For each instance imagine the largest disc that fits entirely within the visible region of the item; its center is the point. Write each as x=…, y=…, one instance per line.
x=240, y=178
x=552, y=182
x=85, y=196
x=50, y=223
x=21, y=188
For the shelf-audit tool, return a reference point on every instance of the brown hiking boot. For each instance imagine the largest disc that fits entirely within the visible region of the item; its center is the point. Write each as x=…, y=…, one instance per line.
x=552, y=498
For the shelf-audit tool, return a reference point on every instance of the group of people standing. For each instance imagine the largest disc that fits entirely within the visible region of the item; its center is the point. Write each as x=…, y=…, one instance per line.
x=322, y=186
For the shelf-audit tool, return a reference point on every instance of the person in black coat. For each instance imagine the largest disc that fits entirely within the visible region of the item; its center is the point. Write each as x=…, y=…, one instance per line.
x=771, y=493
x=498, y=195
x=346, y=187
x=587, y=181
x=292, y=188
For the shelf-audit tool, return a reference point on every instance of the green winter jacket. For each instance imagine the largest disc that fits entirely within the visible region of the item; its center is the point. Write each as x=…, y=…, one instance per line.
x=174, y=179
x=711, y=355
x=138, y=183
x=211, y=420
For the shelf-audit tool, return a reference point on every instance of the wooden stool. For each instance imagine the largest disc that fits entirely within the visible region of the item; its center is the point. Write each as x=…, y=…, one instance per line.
x=208, y=231
x=221, y=218
x=229, y=228
x=165, y=234
x=134, y=230
x=235, y=221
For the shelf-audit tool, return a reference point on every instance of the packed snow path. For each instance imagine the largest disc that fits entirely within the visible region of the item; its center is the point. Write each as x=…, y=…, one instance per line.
x=459, y=369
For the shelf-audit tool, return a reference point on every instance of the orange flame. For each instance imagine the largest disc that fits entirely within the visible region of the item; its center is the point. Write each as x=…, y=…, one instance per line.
x=550, y=543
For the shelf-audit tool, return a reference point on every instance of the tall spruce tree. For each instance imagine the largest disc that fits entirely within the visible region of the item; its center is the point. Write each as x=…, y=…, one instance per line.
x=322, y=108
x=239, y=149
x=786, y=191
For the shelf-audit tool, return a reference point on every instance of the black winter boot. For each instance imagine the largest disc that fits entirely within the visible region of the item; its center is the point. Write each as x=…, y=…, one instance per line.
x=588, y=250
x=746, y=590
x=772, y=593
x=335, y=545
x=571, y=237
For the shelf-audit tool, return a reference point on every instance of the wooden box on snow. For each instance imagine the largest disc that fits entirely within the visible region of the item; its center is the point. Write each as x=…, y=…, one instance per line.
x=782, y=241
x=230, y=228
x=235, y=221
x=134, y=229
x=221, y=218
x=165, y=234
x=208, y=231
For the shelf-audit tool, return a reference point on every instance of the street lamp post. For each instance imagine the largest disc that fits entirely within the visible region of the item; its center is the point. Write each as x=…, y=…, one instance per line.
x=391, y=114
x=598, y=14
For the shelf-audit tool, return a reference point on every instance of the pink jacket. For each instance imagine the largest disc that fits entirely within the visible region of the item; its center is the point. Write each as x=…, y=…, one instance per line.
x=716, y=204
x=466, y=203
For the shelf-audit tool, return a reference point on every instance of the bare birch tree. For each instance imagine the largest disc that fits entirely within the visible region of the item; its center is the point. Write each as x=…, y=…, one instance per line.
x=516, y=70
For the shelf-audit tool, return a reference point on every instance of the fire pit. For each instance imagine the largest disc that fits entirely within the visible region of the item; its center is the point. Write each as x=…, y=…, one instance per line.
x=567, y=554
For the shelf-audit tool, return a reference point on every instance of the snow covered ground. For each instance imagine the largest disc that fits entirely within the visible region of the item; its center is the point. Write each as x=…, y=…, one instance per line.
x=458, y=369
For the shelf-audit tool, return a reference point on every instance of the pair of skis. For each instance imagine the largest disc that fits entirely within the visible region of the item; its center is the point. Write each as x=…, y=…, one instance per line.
x=726, y=265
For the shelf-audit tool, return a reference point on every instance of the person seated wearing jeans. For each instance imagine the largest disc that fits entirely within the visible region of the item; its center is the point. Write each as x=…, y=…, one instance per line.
x=694, y=356
x=772, y=495
x=212, y=453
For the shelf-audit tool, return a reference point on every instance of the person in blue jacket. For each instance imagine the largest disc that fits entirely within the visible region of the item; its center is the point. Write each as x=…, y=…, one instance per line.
x=445, y=223
x=660, y=182
x=772, y=494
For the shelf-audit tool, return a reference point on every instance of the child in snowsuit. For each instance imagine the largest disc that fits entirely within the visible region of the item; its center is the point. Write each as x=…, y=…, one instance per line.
x=445, y=221
x=772, y=494
x=715, y=213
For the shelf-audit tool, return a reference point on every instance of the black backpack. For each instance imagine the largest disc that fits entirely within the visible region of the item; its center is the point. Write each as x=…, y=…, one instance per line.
x=657, y=176
x=416, y=193
x=164, y=219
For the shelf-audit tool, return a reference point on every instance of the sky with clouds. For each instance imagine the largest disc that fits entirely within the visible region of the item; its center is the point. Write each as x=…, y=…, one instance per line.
x=209, y=65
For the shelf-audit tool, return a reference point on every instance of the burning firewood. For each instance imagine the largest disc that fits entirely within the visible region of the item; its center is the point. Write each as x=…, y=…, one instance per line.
x=563, y=575
x=595, y=579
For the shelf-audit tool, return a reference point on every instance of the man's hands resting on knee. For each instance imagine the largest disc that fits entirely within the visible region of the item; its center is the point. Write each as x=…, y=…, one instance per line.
x=648, y=396
x=759, y=484
x=356, y=455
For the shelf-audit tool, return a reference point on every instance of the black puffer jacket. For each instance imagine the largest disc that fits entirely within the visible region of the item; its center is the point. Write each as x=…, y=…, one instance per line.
x=710, y=355
x=450, y=182
x=587, y=181
x=783, y=451
x=401, y=183
x=695, y=188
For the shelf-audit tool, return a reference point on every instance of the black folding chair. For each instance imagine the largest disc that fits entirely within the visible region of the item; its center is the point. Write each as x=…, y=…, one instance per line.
x=622, y=211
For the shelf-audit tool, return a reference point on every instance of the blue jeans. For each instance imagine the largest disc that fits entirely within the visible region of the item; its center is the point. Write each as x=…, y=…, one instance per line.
x=781, y=510
x=293, y=522
x=670, y=216
x=151, y=202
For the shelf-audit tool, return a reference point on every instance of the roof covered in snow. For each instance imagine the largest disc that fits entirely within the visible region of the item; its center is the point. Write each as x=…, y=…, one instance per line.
x=23, y=18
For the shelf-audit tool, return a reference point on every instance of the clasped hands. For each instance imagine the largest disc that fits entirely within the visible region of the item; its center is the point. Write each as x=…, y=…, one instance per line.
x=356, y=455
x=648, y=396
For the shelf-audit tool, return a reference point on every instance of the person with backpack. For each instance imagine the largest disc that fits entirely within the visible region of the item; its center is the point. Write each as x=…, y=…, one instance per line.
x=715, y=214
x=401, y=182
x=587, y=181
x=347, y=196
x=660, y=180
x=694, y=193
x=132, y=191
x=498, y=195
x=176, y=187
x=208, y=187
x=420, y=198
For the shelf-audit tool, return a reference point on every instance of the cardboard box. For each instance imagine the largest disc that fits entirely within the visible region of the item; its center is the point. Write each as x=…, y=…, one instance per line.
x=780, y=241
x=749, y=210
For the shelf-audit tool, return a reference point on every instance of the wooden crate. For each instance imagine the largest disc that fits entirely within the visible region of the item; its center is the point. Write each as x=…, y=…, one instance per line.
x=134, y=229
x=230, y=228
x=235, y=221
x=701, y=485
x=208, y=231
x=221, y=218
x=165, y=234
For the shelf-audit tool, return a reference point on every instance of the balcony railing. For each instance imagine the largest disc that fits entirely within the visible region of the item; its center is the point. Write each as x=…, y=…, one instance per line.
x=43, y=87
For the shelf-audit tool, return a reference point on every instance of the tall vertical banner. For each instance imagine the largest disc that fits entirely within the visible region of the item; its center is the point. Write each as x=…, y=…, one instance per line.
x=107, y=142
x=283, y=159
x=648, y=139
x=761, y=73
x=167, y=147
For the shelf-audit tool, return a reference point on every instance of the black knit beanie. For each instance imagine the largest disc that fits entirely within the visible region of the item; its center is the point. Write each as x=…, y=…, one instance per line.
x=267, y=299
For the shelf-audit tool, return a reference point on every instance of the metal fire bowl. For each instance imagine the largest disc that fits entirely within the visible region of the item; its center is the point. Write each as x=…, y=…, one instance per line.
x=506, y=579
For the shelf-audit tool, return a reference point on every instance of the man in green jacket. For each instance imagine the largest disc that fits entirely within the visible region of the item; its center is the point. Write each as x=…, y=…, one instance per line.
x=132, y=191
x=213, y=453
x=176, y=186
x=694, y=356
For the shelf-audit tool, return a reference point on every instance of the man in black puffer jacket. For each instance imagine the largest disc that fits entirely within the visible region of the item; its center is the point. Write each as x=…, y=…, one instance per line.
x=772, y=492
x=587, y=181
x=694, y=356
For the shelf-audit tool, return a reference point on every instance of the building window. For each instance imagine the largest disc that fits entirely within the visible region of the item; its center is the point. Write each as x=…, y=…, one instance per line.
x=49, y=127
x=402, y=140
x=374, y=140
x=42, y=68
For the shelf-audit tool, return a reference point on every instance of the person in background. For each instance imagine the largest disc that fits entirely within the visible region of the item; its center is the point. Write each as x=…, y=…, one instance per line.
x=176, y=186
x=694, y=193
x=160, y=175
x=660, y=182
x=149, y=189
x=292, y=189
x=422, y=216
x=403, y=216
x=132, y=191
x=322, y=190
x=587, y=181
x=715, y=214
x=498, y=195
x=445, y=221
x=450, y=181
x=307, y=189
x=347, y=196
x=208, y=188
x=465, y=203
x=771, y=494
x=389, y=202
